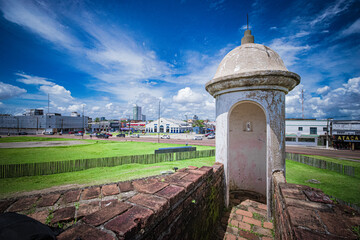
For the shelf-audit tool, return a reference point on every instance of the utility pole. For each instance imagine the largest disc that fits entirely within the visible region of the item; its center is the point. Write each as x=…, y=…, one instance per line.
x=48, y=103
x=82, y=137
x=159, y=124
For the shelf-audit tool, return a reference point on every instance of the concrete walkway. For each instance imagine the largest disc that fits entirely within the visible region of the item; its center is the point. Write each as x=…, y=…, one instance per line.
x=246, y=219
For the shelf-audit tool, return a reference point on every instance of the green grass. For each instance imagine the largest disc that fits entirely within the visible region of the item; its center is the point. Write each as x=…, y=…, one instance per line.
x=32, y=139
x=98, y=149
x=96, y=175
x=354, y=164
x=337, y=185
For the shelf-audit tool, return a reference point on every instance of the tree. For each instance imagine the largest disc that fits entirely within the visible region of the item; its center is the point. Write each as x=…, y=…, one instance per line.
x=198, y=123
x=97, y=119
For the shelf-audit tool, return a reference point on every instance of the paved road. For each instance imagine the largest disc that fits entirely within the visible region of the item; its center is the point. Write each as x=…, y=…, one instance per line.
x=341, y=154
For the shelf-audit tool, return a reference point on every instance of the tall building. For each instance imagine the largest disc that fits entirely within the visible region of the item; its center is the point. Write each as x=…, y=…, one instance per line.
x=137, y=113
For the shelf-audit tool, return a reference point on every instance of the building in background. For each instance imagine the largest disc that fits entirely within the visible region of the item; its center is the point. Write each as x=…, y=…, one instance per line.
x=137, y=113
x=165, y=125
x=345, y=134
x=35, y=122
x=306, y=132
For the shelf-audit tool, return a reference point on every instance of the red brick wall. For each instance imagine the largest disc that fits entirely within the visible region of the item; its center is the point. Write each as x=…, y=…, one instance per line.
x=302, y=212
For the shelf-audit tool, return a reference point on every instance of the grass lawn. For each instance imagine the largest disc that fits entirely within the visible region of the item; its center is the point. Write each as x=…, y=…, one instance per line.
x=338, y=185
x=96, y=176
x=32, y=139
x=354, y=164
x=95, y=149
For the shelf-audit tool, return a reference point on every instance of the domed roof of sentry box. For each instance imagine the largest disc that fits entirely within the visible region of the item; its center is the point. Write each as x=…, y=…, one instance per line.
x=249, y=64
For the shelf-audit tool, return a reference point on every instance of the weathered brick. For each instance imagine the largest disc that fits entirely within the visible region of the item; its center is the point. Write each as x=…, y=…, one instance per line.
x=87, y=208
x=106, y=213
x=157, y=204
x=172, y=192
x=305, y=234
x=48, y=200
x=71, y=196
x=192, y=178
x=203, y=174
x=248, y=235
x=232, y=230
x=40, y=216
x=91, y=193
x=84, y=232
x=252, y=221
x=4, y=204
x=261, y=230
x=126, y=224
x=336, y=224
x=230, y=236
x=306, y=204
x=206, y=169
x=125, y=186
x=150, y=186
x=108, y=190
x=181, y=182
x=192, y=168
x=304, y=217
x=260, y=211
x=178, y=175
x=317, y=196
x=106, y=203
x=63, y=215
x=292, y=192
x=23, y=204
x=244, y=213
x=268, y=225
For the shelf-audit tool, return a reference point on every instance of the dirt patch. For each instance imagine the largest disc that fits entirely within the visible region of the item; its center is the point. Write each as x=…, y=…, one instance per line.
x=40, y=144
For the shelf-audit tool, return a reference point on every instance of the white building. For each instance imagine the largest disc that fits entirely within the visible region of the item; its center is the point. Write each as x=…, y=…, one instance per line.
x=165, y=125
x=306, y=132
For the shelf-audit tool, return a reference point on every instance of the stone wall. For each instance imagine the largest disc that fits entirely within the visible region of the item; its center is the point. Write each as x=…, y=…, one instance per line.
x=183, y=205
x=302, y=212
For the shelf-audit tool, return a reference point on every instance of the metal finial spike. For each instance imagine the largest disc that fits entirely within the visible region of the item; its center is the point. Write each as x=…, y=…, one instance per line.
x=247, y=21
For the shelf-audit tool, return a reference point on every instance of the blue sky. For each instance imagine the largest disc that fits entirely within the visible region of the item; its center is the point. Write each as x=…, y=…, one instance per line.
x=110, y=55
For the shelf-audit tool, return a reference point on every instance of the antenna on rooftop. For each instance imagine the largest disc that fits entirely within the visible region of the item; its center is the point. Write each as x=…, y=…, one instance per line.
x=302, y=102
x=247, y=21
x=48, y=103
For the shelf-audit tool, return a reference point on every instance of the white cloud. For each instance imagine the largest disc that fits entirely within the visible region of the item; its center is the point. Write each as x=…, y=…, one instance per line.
x=186, y=95
x=323, y=90
x=75, y=108
x=354, y=28
x=288, y=50
x=338, y=7
x=95, y=108
x=38, y=18
x=27, y=79
x=9, y=91
x=108, y=106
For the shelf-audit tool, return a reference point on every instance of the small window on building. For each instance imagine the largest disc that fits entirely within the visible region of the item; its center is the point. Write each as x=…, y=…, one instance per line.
x=313, y=130
x=325, y=129
x=290, y=139
x=300, y=128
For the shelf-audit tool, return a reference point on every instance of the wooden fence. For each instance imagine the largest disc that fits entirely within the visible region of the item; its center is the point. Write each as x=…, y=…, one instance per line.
x=318, y=163
x=47, y=168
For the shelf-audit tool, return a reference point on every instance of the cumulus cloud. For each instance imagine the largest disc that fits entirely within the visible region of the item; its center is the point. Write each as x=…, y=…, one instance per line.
x=323, y=90
x=108, y=106
x=34, y=80
x=186, y=95
x=10, y=91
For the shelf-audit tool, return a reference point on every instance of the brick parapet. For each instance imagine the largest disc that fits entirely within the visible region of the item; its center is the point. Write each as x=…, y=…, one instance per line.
x=302, y=212
x=183, y=205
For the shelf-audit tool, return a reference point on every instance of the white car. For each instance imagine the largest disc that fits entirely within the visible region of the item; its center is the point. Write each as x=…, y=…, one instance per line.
x=198, y=138
x=165, y=137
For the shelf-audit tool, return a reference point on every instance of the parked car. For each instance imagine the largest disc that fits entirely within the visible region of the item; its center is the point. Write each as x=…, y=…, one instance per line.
x=71, y=132
x=120, y=135
x=102, y=135
x=48, y=133
x=165, y=137
x=198, y=138
x=209, y=133
x=22, y=133
x=135, y=135
x=78, y=134
x=109, y=134
x=212, y=136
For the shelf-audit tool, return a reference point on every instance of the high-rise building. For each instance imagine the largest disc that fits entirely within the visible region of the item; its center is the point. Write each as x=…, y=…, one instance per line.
x=137, y=113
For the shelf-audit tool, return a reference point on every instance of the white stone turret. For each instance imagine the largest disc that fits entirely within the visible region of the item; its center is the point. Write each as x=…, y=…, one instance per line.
x=250, y=86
